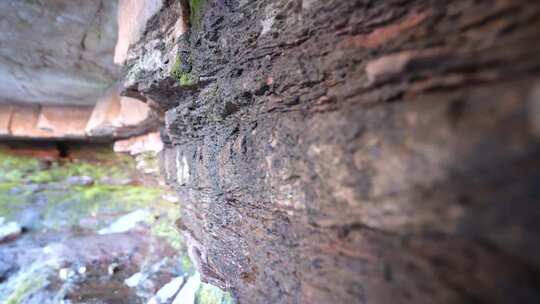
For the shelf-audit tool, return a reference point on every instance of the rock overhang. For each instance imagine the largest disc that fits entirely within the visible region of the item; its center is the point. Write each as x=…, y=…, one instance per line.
x=60, y=62
x=58, y=52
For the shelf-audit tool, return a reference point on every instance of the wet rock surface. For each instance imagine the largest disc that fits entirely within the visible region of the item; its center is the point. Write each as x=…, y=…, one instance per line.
x=352, y=151
x=88, y=229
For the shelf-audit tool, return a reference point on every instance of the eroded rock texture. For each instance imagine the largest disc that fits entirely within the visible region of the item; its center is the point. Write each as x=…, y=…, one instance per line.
x=353, y=151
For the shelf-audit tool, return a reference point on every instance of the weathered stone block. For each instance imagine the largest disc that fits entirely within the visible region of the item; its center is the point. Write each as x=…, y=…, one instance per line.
x=64, y=121
x=140, y=144
x=6, y=113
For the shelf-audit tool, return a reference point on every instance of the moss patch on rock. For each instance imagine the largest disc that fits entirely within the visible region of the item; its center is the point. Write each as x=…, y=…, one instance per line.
x=28, y=282
x=209, y=294
x=184, y=78
x=195, y=12
x=67, y=207
x=14, y=168
x=82, y=196
x=24, y=181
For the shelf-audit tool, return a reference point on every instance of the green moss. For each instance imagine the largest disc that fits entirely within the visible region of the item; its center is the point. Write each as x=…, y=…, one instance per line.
x=25, y=289
x=188, y=80
x=67, y=204
x=195, y=12
x=26, y=284
x=31, y=1
x=177, y=68
x=165, y=229
x=184, y=78
x=187, y=265
x=12, y=199
x=68, y=207
x=20, y=169
x=14, y=168
x=209, y=294
x=59, y=172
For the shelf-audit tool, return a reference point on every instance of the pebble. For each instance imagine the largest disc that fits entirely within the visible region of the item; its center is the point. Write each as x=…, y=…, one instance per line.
x=127, y=222
x=111, y=270
x=80, y=181
x=134, y=280
x=187, y=294
x=82, y=270
x=9, y=231
x=171, y=198
x=167, y=291
x=65, y=273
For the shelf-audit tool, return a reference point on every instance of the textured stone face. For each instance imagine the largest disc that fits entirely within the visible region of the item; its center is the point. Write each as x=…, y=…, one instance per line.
x=58, y=51
x=157, y=59
x=354, y=151
x=115, y=115
x=64, y=121
x=140, y=144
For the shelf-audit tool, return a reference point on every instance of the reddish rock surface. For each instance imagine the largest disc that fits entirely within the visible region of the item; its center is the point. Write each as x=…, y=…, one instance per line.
x=64, y=121
x=353, y=151
x=383, y=34
x=391, y=66
x=132, y=18
x=6, y=112
x=112, y=117
x=140, y=144
x=119, y=116
x=24, y=123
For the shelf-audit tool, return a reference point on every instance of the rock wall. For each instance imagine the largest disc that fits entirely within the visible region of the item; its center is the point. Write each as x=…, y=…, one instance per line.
x=352, y=151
